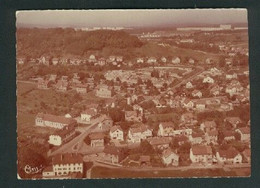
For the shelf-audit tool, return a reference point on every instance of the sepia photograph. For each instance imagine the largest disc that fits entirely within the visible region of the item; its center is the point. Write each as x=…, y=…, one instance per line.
x=142, y=93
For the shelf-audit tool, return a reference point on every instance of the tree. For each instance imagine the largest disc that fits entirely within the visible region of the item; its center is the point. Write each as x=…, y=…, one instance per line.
x=87, y=140
x=146, y=148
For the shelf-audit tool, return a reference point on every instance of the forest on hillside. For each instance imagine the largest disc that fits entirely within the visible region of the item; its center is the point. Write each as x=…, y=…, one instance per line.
x=34, y=42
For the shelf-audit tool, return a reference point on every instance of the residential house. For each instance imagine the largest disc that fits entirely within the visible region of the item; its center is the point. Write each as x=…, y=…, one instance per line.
x=196, y=93
x=166, y=129
x=159, y=142
x=151, y=60
x=191, y=61
x=140, y=60
x=58, y=122
x=247, y=155
x=145, y=160
x=181, y=139
x=55, y=61
x=116, y=133
x=229, y=156
x=189, y=85
x=170, y=158
x=244, y=134
x=211, y=137
x=201, y=154
x=97, y=139
x=104, y=92
x=196, y=138
x=232, y=121
x=200, y=105
x=43, y=84
x=187, y=103
x=81, y=88
x=62, y=136
x=88, y=115
x=101, y=62
x=163, y=59
x=135, y=135
x=64, y=165
x=111, y=154
x=208, y=80
x=92, y=59
x=176, y=60
x=215, y=72
x=62, y=85
x=134, y=116
x=188, y=118
x=105, y=124
x=182, y=131
x=215, y=90
x=229, y=135
x=231, y=75
x=207, y=126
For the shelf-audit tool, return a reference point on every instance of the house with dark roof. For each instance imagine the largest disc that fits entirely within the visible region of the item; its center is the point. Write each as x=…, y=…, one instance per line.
x=159, y=142
x=111, y=154
x=232, y=121
x=88, y=115
x=97, y=139
x=137, y=134
x=230, y=155
x=116, y=133
x=201, y=154
x=64, y=166
x=62, y=136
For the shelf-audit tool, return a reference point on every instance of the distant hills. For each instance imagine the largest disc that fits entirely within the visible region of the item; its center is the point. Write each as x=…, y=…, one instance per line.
x=35, y=42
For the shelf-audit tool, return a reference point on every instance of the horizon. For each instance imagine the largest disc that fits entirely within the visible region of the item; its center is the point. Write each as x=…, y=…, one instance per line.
x=129, y=18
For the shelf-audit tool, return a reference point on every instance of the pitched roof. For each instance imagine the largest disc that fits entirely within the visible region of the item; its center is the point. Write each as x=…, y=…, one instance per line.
x=159, y=140
x=53, y=118
x=67, y=158
x=65, y=131
x=96, y=136
x=213, y=133
x=245, y=130
x=114, y=128
x=140, y=129
x=210, y=124
x=111, y=150
x=201, y=150
x=167, y=124
x=233, y=120
x=229, y=153
x=91, y=112
x=166, y=153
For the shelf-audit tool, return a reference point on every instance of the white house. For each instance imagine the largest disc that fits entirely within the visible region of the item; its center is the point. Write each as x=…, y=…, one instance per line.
x=88, y=115
x=116, y=133
x=244, y=134
x=189, y=85
x=58, y=122
x=64, y=165
x=208, y=80
x=135, y=135
x=176, y=60
x=196, y=93
x=170, y=158
x=62, y=136
x=211, y=137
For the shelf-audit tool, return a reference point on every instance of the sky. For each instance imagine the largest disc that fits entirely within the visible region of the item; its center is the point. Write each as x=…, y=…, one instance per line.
x=129, y=18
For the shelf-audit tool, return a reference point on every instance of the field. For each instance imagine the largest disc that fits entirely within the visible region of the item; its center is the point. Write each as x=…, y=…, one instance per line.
x=103, y=172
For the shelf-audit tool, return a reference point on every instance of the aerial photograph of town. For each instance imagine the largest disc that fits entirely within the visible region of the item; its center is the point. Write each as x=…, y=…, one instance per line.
x=132, y=94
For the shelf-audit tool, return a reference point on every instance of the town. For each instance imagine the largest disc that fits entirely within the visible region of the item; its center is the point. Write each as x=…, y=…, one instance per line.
x=175, y=105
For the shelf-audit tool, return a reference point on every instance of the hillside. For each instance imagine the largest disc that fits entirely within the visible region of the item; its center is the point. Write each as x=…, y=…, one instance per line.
x=57, y=42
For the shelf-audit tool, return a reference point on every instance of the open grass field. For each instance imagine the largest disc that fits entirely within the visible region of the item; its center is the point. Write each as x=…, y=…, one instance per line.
x=103, y=172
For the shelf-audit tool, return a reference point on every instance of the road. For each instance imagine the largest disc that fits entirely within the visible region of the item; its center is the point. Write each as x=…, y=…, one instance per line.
x=74, y=146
